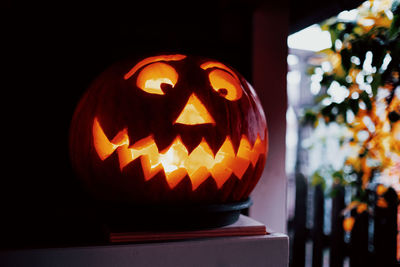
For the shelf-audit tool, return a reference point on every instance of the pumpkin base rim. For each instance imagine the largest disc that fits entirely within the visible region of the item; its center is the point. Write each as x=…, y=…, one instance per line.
x=119, y=218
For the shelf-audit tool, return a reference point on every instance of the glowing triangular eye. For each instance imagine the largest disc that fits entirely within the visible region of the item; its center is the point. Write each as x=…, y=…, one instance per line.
x=194, y=113
x=152, y=78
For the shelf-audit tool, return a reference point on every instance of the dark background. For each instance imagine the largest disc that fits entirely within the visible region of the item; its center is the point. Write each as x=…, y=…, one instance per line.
x=51, y=53
x=54, y=51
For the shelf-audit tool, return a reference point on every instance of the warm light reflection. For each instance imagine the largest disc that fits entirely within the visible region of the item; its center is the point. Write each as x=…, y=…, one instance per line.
x=153, y=75
x=194, y=113
x=221, y=80
x=176, y=161
x=104, y=147
x=214, y=64
x=149, y=60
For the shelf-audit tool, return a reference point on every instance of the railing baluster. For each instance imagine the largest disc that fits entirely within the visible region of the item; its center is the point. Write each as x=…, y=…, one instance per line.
x=318, y=229
x=300, y=231
x=385, y=229
x=359, y=254
x=337, y=244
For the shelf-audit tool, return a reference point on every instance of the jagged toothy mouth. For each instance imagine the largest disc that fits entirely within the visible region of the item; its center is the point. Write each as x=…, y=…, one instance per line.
x=176, y=161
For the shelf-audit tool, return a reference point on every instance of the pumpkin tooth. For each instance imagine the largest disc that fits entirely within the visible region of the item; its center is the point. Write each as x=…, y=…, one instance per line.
x=221, y=174
x=103, y=146
x=149, y=170
x=173, y=162
x=198, y=164
x=125, y=156
x=176, y=161
x=259, y=147
x=199, y=176
x=191, y=141
x=164, y=140
x=214, y=141
x=243, y=157
x=173, y=178
x=224, y=163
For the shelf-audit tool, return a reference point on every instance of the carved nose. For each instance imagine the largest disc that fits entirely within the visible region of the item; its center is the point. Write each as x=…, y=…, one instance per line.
x=194, y=113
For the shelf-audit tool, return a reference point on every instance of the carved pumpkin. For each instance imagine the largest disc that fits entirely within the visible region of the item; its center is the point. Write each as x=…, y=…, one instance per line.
x=169, y=129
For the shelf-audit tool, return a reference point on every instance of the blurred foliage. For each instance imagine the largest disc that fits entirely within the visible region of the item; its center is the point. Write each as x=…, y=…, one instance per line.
x=360, y=88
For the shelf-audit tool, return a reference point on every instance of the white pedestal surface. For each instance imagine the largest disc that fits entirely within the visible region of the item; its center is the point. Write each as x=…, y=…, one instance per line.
x=247, y=251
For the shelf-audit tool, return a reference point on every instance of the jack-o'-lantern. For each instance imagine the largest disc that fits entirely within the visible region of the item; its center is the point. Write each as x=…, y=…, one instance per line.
x=169, y=129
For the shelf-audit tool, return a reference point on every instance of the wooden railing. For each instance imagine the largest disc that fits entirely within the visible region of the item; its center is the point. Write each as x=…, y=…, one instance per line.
x=371, y=242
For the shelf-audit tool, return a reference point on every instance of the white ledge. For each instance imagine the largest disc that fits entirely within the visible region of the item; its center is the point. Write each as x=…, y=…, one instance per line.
x=260, y=250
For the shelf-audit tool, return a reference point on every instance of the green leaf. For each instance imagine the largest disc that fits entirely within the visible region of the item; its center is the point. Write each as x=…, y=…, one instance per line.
x=363, y=153
x=334, y=35
x=327, y=80
x=359, y=49
x=394, y=30
x=365, y=98
x=319, y=98
x=338, y=175
x=327, y=112
x=310, y=71
x=376, y=82
x=379, y=51
x=309, y=117
x=346, y=56
x=317, y=179
x=353, y=103
x=396, y=7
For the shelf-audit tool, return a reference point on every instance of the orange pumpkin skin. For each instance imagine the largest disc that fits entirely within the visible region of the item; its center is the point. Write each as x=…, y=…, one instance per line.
x=133, y=109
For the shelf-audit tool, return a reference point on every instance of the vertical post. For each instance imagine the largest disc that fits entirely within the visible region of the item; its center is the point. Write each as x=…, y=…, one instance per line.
x=270, y=31
x=398, y=233
x=359, y=254
x=318, y=229
x=385, y=230
x=299, y=225
x=337, y=243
